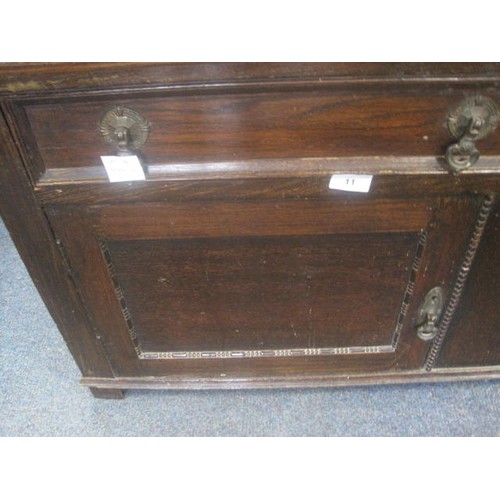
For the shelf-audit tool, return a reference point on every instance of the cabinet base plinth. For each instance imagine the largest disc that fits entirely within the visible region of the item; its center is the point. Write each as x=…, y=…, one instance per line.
x=340, y=380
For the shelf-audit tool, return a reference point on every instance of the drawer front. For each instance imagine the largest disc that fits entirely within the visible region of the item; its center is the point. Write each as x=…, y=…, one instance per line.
x=256, y=288
x=64, y=141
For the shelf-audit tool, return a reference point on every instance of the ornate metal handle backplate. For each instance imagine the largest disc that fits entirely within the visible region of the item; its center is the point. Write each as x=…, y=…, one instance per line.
x=125, y=128
x=475, y=118
x=430, y=314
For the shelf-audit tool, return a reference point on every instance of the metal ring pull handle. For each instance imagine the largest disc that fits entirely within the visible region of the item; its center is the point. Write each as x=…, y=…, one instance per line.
x=474, y=119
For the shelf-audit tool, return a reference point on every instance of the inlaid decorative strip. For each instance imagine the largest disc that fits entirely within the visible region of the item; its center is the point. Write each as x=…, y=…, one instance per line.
x=268, y=353
x=121, y=299
x=463, y=274
x=409, y=287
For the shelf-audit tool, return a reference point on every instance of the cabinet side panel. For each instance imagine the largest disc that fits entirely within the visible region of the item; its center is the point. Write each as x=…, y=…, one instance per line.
x=34, y=241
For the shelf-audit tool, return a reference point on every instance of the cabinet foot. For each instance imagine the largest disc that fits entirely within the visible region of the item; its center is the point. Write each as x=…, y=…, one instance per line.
x=107, y=393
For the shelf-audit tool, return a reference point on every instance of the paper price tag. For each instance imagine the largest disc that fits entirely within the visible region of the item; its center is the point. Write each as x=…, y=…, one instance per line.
x=351, y=182
x=123, y=168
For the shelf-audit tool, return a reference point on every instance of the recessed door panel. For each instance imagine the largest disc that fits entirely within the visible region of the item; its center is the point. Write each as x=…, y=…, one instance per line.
x=264, y=293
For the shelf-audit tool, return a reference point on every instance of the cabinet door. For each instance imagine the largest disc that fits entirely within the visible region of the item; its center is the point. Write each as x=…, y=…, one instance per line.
x=263, y=288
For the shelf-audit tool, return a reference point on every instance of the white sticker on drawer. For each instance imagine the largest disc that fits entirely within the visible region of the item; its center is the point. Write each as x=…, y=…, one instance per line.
x=123, y=168
x=351, y=182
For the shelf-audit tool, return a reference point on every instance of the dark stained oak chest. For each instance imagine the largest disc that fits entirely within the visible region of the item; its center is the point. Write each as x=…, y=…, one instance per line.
x=234, y=264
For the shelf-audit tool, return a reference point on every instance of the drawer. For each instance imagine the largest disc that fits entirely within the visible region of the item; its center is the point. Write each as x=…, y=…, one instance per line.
x=278, y=128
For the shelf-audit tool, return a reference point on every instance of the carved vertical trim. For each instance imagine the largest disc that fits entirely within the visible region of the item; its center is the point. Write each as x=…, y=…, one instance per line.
x=463, y=274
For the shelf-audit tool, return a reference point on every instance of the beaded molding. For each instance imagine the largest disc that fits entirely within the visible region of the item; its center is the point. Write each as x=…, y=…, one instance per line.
x=458, y=288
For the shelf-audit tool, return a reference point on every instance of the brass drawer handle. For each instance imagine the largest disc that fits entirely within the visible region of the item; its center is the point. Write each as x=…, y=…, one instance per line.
x=475, y=118
x=125, y=128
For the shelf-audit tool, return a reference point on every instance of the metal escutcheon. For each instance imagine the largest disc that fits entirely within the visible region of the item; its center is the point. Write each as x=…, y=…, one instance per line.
x=475, y=118
x=125, y=128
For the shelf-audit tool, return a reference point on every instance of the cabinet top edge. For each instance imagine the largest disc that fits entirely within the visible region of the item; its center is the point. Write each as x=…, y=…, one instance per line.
x=27, y=78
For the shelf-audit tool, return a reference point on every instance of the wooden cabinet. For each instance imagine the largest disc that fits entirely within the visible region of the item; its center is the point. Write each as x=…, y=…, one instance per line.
x=233, y=263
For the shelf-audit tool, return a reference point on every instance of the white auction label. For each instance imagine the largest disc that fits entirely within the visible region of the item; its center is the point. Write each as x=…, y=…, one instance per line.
x=351, y=182
x=123, y=168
